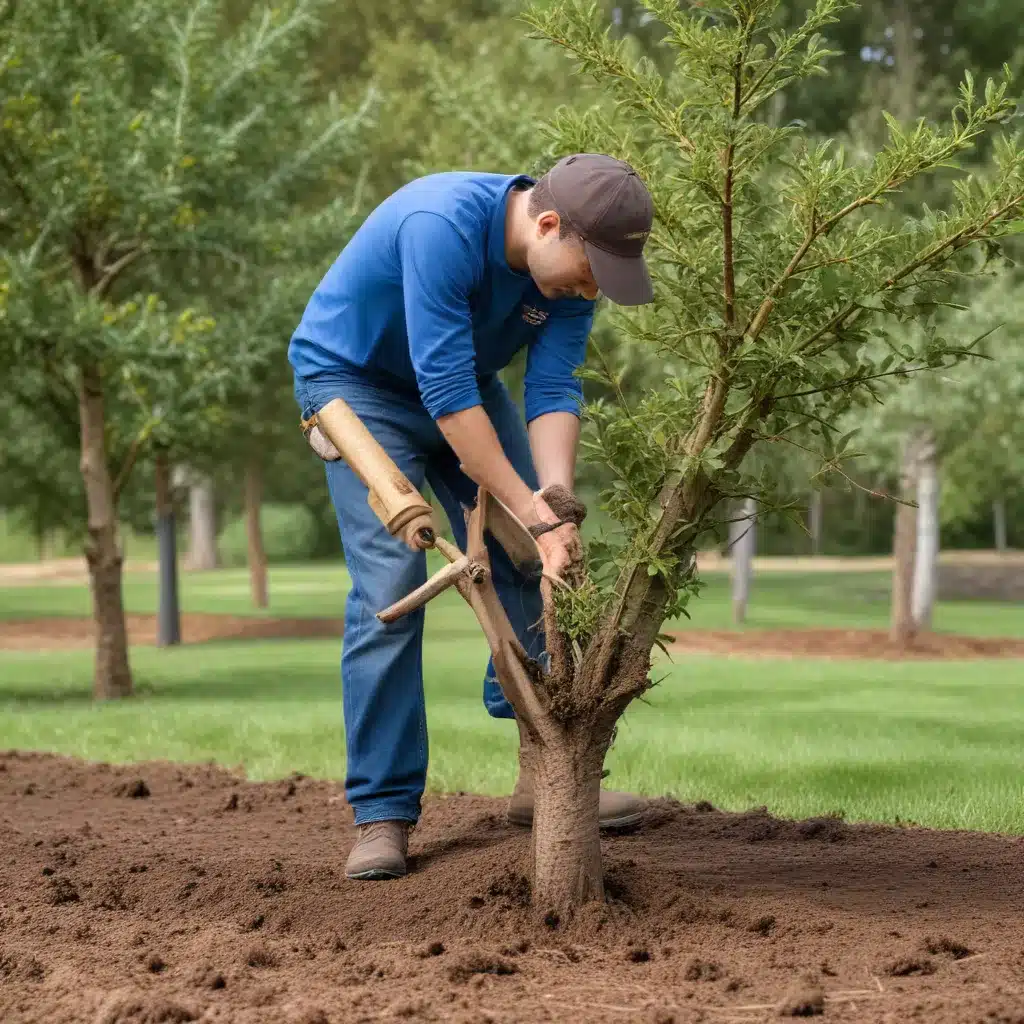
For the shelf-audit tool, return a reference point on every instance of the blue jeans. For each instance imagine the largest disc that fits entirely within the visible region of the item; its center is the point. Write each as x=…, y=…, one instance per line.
x=382, y=665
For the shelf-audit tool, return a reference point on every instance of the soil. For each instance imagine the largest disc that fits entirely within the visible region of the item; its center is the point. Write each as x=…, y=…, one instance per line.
x=65, y=632
x=158, y=893
x=55, y=633
x=841, y=643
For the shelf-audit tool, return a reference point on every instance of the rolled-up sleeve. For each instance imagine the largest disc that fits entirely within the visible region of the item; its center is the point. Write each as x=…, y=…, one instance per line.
x=438, y=274
x=553, y=358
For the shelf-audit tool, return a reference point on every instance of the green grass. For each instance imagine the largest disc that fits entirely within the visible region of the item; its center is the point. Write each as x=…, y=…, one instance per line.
x=934, y=743
x=937, y=744
x=18, y=545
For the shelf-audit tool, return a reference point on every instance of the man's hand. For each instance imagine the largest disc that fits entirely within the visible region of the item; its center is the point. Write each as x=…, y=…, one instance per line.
x=473, y=439
x=559, y=548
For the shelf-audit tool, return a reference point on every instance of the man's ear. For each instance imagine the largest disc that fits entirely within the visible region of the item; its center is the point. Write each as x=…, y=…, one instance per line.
x=547, y=222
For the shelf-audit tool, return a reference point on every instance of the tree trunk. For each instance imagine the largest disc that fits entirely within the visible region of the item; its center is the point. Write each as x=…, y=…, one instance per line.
x=904, y=542
x=254, y=533
x=999, y=524
x=113, y=677
x=168, y=633
x=816, y=517
x=202, y=525
x=742, y=543
x=926, y=560
x=566, y=840
x=906, y=63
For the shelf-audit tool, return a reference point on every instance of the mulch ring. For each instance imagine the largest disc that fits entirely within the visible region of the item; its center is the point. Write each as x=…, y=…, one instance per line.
x=843, y=643
x=43, y=634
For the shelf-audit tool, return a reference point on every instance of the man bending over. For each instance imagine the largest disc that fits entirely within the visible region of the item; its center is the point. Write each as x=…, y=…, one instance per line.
x=436, y=292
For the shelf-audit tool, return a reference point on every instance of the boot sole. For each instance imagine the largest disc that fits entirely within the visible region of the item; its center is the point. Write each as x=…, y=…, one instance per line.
x=607, y=825
x=375, y=875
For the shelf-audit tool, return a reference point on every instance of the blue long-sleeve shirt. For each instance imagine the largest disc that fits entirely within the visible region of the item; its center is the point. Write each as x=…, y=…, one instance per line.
x=423, y=299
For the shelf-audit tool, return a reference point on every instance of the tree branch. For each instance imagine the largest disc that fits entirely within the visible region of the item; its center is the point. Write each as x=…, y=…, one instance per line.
x=846, y=381
x=954, y=242
x=131, y=457
x=833, y=466
x=110, y=274
x=757, y=323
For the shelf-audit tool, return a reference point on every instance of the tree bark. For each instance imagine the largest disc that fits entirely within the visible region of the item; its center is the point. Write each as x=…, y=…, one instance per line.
x=254, y=532
x=566, y=840
x=906, y=63
x=112, y=674
x=904, y=544
x=202, y=525
x=926, y=558
x=168, y=632
x=816, y=519
x=999, y=524
x=742, y=544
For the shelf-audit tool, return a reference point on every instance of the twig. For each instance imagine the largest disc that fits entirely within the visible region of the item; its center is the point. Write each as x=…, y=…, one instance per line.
x=834, y=467
x=967, y=959
x=594, y=1006
x=129, y=460
x=110, y=274
x=868, y=376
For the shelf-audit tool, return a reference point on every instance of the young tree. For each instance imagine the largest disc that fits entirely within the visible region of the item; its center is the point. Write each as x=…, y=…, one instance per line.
x=772, y=276
x=145, y=149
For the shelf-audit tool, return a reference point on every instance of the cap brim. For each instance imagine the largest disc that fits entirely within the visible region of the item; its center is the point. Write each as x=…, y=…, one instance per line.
x=624, y=279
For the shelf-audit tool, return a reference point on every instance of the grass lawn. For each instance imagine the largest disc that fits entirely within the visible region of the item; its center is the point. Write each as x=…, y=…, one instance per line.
x=934, y=743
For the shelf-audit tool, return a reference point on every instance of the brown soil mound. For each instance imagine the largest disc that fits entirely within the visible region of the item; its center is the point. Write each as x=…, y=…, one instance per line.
x=161, y=893
x=843, y=643
x=49, y=633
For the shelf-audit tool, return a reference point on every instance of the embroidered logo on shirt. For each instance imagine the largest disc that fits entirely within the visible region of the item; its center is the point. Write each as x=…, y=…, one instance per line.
x=534, y=316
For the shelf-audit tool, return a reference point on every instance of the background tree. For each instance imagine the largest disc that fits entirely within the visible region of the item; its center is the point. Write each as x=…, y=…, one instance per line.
x=143, y=149
x=958, y=427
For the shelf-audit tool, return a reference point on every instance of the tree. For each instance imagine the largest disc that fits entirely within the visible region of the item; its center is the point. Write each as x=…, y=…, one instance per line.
x=772, y=275
x=959, y=425
x=202, y=522
x=144, y=150
x=742, y=546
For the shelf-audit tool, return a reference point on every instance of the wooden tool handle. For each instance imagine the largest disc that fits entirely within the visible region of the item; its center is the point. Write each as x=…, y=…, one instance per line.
x=394, y=500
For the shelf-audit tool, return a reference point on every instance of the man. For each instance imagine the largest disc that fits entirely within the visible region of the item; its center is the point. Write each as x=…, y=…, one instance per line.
x=436, y=292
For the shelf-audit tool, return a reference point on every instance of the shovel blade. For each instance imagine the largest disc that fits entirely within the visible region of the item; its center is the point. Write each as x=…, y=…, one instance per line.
x=515, y=539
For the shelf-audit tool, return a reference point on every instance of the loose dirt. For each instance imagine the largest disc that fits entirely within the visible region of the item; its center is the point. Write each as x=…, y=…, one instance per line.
x=160, y=893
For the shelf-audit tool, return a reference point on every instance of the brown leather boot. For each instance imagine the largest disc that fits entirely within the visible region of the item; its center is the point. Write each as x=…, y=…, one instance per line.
x=379, y=852
x=617, y=810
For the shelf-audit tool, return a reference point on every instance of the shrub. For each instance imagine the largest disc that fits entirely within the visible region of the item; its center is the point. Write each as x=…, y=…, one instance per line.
x=289, y=535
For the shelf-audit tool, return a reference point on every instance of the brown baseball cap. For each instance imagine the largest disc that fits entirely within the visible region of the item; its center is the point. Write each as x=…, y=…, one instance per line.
x=606, y=203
